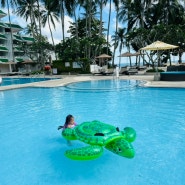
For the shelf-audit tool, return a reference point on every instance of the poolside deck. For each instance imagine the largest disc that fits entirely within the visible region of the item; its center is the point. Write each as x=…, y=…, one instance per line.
x=66, y=79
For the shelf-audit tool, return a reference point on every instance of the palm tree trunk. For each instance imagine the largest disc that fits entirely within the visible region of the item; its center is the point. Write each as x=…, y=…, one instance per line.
x=115, y=40
x=62, y=19
x=101, y=10
x=52, y=38
x=89, y=28
x=108, y=26
x=40, y=30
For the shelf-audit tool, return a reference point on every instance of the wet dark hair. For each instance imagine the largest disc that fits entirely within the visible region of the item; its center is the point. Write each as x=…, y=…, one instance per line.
x=68, y=119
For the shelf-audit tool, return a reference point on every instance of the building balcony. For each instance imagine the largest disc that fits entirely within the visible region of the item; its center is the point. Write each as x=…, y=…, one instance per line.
x=19, y=59
x=3, y=48
x=2, y=36
x=14, y=27
x=2, y=14
x=28, y=39
x=3, y=25
x=3, y=59
x=18, y=49
x=17, y=38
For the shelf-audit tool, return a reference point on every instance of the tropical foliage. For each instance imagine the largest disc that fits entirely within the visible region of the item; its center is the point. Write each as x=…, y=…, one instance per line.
x=141, y=22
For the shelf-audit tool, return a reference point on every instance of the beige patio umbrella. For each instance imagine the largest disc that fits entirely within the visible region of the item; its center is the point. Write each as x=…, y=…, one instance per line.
x=126, y=54
x=158, y=45
x=102, y=58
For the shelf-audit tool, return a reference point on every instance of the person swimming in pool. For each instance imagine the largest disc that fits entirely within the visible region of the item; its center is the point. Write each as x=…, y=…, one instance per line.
x=69, y=123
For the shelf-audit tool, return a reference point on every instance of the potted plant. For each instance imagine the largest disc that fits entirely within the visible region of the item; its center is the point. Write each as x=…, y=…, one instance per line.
x=47, y=70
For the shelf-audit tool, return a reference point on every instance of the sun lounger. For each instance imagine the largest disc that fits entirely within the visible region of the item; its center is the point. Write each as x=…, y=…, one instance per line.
x=132, y=71
x=108, y=72
x=142, y=68
x=96, y=73
x=123, y=71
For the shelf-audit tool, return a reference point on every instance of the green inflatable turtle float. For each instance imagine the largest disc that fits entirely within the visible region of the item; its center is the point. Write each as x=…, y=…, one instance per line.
x=99, y=135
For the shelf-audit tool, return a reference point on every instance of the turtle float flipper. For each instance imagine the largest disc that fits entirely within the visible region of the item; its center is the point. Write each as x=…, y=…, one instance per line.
x=85, y=153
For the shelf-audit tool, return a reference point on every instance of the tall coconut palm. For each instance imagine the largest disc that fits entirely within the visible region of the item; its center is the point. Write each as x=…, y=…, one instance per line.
x=101, y=4
x=49, y=15
x=169, y=10
x=28, y=10
x=90, y=9
x=119, y=40
x=117, y=4
x=39, y=16
x=108, y=26
x=64, y=7
x=132, y=13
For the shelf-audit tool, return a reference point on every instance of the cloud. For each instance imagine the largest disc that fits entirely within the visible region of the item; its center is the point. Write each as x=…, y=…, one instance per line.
x=57, y=32
x=106, y=8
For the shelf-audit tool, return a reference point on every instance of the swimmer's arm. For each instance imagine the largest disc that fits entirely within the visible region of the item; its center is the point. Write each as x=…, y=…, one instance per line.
x=60, y=127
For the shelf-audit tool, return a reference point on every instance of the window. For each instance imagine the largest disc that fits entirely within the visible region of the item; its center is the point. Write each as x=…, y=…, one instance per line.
x=76, y=65
x=67, y=64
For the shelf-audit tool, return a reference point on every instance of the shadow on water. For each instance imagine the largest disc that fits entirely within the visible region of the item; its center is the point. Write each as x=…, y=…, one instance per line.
x=72, y=171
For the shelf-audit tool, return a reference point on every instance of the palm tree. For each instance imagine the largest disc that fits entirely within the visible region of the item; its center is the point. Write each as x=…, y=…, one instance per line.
x=116, y=3
x=119, y=40
x=90, y=12
x=132, y=12
x=39, y=16
x=101, y=3
x=28, y=10
x=170, y=9
x=64, y=7
x=49, y=15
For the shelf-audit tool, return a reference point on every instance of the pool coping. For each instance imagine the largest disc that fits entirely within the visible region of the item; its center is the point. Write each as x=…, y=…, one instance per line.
x=63, y=80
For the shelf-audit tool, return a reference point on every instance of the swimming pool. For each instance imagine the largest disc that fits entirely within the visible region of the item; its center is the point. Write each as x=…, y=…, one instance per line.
x=15, y=81
x=32, y=148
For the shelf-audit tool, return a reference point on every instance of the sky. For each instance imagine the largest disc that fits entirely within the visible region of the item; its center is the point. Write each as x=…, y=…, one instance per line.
x=57, y=32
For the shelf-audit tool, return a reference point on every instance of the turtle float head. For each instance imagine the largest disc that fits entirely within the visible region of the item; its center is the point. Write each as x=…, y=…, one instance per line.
x=121, y=147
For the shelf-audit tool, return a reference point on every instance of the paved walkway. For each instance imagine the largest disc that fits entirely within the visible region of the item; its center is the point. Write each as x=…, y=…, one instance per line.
x=66, y=79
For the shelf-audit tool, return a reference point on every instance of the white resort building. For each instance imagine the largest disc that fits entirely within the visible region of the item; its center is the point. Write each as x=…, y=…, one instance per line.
x=11, y=52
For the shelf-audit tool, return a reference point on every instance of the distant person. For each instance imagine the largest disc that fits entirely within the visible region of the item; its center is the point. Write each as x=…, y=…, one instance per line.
x=69, y=123
x=1, y=80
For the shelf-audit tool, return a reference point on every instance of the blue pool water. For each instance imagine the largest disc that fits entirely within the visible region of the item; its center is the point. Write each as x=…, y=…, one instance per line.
x=15, y=81
x=31, y=150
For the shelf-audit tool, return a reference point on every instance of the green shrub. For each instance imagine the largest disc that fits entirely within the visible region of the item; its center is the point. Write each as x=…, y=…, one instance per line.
x=36, y=72
x=61, y=68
